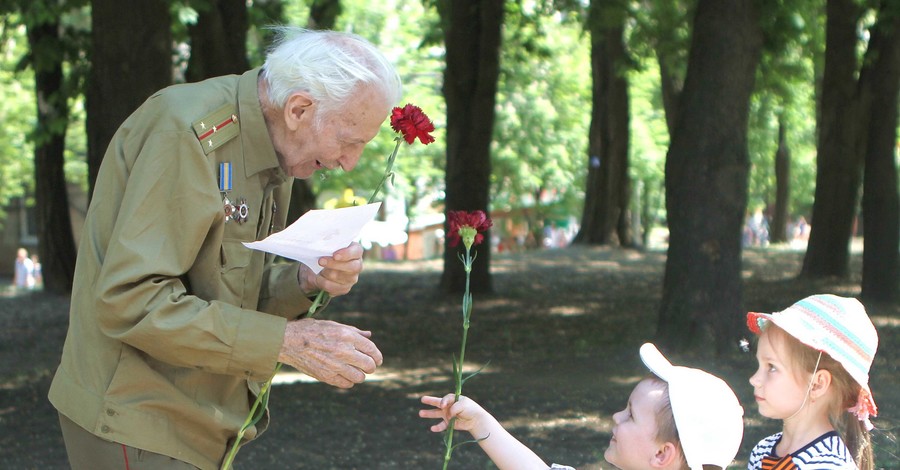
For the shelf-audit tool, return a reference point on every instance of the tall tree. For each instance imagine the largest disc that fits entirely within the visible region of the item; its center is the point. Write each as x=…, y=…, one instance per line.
x=131, y=58
x=218, y=39
x=706, y=179
x=56, y=244
x=881, y=203
x=606, y=216
x=839, y=163
x=472, y=39
x=778, y=227
x=665, y=25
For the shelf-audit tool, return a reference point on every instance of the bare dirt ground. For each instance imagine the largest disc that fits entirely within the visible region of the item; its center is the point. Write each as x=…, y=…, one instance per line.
x=559, y=336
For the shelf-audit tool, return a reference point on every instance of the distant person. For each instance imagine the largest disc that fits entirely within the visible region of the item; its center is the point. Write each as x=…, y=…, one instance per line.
x=814, y=359
x=38, y=274
x=23, y=277
x=677, y=418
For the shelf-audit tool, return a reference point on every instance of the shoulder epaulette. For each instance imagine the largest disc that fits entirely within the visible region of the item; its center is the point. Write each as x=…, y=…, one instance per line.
x=217, y=127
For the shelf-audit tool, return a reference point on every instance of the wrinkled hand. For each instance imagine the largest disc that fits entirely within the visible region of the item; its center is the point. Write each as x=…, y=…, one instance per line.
x=331, y=352
x=469, y=415
x=341, y=272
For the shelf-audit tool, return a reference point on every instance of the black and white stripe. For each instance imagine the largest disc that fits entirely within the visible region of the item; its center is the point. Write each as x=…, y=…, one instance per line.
x=827, y=452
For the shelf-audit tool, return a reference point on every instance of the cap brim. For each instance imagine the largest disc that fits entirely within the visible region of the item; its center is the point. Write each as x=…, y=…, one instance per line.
x=656, y=362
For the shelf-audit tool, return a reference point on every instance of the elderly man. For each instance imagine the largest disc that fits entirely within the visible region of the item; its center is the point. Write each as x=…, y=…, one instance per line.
x=173, y=322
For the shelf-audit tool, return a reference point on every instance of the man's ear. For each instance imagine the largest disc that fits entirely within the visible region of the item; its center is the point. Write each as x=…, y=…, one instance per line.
x=666, y=455
x=298, y=108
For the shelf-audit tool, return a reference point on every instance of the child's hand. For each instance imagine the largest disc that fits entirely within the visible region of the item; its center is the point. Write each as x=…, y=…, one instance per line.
x=469, y=415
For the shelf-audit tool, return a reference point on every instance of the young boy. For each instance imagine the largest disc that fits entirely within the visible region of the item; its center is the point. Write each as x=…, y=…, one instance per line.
x=677, y=418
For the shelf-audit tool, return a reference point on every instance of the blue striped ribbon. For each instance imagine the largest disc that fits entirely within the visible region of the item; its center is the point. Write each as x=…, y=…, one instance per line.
x=225, y=176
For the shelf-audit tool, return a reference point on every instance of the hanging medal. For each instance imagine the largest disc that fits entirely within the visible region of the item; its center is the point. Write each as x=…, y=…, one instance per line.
x=225, y=180
x=242, y=211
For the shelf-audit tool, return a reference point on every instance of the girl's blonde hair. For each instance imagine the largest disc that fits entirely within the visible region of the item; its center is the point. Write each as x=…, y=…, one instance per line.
x=852, y=430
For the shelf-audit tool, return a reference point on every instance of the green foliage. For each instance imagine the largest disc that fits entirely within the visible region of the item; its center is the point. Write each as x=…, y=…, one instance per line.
x=785, y=90
x=18, y=114
x=541, y=128
x=649, y=139
x=18, y=106
x=543, y=102
x=662, y=31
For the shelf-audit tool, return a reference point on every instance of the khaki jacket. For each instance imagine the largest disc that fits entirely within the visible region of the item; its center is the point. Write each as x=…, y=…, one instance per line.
x=174, y=322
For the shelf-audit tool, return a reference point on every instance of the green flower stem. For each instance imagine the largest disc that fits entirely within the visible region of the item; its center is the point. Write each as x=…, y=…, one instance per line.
x=320, y=300
x=263, y=397
x=458, y=368
x=252, y=418
x=388, y=171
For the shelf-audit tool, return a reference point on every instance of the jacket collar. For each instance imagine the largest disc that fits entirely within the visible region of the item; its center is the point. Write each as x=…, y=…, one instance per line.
x=256, y=145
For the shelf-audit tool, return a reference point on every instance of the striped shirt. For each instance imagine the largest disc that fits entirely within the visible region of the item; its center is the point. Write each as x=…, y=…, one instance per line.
x=827, y=452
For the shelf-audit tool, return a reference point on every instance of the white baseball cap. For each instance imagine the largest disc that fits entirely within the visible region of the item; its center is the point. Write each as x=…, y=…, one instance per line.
x=708, y=416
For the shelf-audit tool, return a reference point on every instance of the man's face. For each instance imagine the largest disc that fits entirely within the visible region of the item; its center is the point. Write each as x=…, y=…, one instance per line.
x=633, y=444
x=337, y=142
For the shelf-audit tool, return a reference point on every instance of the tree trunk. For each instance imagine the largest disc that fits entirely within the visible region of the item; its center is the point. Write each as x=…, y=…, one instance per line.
x=605, y=219
x=706, y=180
x=131, y=58
x=472, y=36
x=56, y=245
x=323, y=14
x=668, y=16
x=670, y=94
x=778, y=227
x=218, y=40
x=838, y=164
x=881, y=207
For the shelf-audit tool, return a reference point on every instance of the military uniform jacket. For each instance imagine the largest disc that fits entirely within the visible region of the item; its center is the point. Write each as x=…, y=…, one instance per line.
x=173, y=322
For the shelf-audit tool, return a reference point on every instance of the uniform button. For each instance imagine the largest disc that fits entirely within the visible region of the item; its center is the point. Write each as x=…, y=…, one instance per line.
x=110, y=412
x=104, y=429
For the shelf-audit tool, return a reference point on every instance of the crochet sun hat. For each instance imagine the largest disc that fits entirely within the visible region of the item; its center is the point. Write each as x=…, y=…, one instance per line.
x=837, y=326
x=708, y=416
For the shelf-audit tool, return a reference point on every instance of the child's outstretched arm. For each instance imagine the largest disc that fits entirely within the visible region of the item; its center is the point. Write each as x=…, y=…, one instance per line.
x=504, y=450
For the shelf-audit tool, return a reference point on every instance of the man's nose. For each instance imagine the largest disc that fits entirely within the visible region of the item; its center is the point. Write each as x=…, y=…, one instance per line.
x=348, y=162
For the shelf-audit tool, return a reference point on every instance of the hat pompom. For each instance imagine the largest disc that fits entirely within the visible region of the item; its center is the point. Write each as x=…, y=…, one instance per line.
x=864, y=408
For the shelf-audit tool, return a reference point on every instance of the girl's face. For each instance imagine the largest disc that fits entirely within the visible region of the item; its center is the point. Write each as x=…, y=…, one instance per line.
x=633, y=444
x=778, y=392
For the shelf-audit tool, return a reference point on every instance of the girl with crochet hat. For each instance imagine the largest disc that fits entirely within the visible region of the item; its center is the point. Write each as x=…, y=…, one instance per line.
x=814, y=359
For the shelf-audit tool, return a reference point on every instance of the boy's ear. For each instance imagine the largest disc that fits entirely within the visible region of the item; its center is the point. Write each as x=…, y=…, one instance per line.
x=666, y=455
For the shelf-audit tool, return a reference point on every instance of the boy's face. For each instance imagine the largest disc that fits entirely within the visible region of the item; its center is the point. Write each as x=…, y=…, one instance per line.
x=633, y=444
x=777, y=391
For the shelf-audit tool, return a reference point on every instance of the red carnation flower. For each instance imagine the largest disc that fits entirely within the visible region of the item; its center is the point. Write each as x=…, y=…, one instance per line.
x=412, y=122
x=476, y=220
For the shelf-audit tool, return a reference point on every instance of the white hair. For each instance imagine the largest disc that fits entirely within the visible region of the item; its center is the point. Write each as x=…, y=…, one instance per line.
x=329, y=65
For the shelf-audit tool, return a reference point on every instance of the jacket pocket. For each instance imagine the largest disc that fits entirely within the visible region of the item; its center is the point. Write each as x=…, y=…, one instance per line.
x=235, y=258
